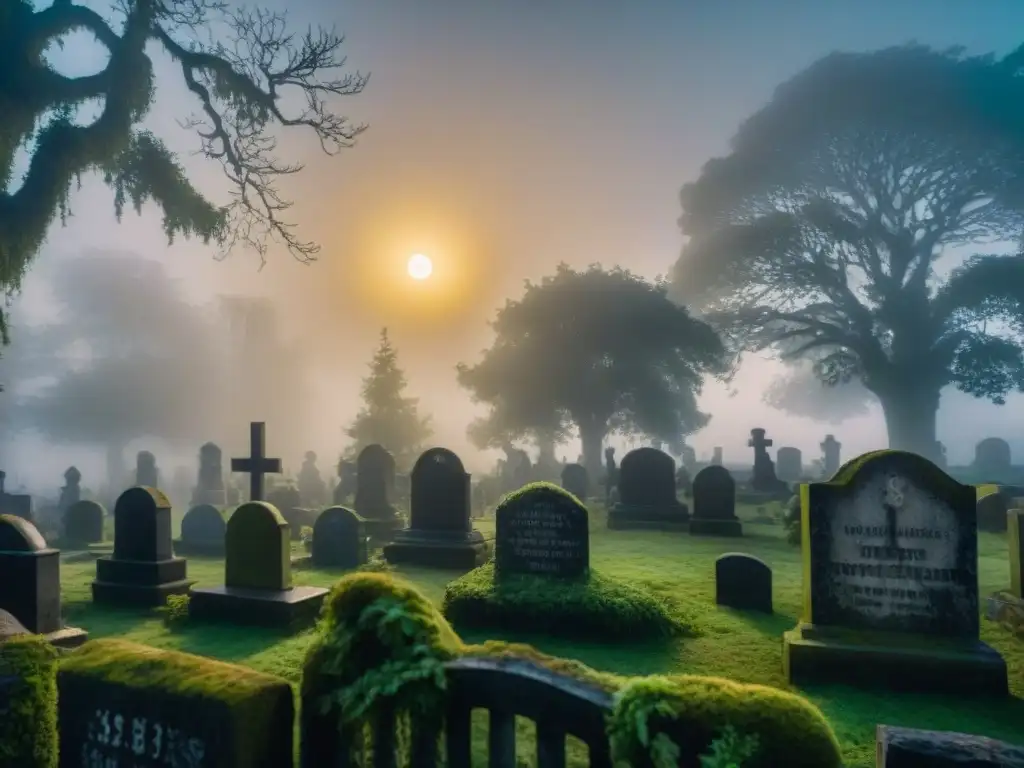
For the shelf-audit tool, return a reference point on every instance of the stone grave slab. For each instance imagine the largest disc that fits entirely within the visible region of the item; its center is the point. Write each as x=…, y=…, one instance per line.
x=83, y=524
x=122, y=704
x=542, y=530
x=258, y=587
x=30, y=575
x=913, y=748
x=202, y=532
x=992, y=509
x=647, y=493
x=576, y=481
x=891, y=582
x=339, y=539
x=743, y=582
x=714, y=503
x=375, y=491
x=440, y=532
x=142, y=571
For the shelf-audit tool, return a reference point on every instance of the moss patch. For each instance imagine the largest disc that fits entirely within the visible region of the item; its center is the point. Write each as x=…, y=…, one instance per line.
x=675, y=719
x=28, y=724
x=596, y=607
x=251, y=697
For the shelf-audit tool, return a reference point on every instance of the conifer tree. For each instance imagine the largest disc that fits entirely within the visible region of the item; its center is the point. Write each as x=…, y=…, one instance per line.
x=388, y=417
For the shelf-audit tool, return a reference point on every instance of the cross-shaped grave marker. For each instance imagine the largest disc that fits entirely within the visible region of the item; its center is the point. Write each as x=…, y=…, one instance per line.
x=256, y=465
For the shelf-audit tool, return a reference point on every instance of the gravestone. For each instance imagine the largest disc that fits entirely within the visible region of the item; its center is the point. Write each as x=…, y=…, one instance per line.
x=440, y=532
x=913, y=748
x=83, y=524
x=992, y=459
x=122, y=704
x=72, y=490
x=146, y=472
x=202, y=532
x=16, y=504
x=257, y=464
x=143, y=570
x=347, y=480
x=258, y=587
x=647, y=493
x=992, y=509
x=339, y=539
x=891, y=582
x=288, y=501
x=576, y=481
x=375, y=490
x=789, y=464
x=30, y=582
x=542, y=530
x=830, y=453
x=714, y=503
x=312, y=488
x=744, y=582
x=763, y=477
x=210, y=483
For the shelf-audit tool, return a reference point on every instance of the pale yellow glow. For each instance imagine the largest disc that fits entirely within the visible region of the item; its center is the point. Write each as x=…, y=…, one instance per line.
x=420, y=267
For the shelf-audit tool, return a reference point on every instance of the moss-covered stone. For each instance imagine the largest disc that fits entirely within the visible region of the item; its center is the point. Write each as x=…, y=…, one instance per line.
x=594, y=607
x=232, y=703
x=28, y=723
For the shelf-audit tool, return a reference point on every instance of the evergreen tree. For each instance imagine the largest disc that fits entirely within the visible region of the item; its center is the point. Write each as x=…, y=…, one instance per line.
x=388, y=417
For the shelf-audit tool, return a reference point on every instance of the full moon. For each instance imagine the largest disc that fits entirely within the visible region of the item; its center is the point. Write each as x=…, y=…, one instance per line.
x=419, y=266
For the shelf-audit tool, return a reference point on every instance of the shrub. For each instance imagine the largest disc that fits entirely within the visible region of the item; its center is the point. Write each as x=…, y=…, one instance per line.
x=28, y=723
x=595, y=607
x=675, y=719
x=174, y=611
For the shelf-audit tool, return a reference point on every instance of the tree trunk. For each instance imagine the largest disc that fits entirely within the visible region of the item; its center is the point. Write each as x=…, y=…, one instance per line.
x=592, y=435
x=910, y=413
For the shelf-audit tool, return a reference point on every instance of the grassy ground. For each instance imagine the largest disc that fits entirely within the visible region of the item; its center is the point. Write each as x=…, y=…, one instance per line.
x=737, y=645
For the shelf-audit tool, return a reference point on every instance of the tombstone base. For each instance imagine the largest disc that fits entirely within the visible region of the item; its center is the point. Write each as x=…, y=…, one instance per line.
x=812, y=655
x=139, y=583
x=68, y=637
x=700, y=527
x=430, y=549
x=199, y=548
x=624, y=517
x=294, y=609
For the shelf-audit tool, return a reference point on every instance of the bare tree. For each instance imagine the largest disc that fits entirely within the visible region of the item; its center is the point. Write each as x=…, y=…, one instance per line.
x=241, y=66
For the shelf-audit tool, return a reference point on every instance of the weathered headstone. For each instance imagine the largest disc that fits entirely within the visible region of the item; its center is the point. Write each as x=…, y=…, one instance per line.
x=647, y=493
x=30, y=582
x=542, y=530
x=714, y=503
x=122, y=704
x=576, y=481
x=744, y=582
x=993, y=459
x=440, y=532
x=789, y=464
x=83, y=524
x=347, y=482
x=257, y=465
x=312, y=488
x=72, y=490
x=16, y=504
x=339, y=539
x=830, y=453
x=913, y=748
x=143, y=570
x=992, y=509
x=763, y=477
x=210, y=483
x=202, y=532
x=258, y=585
x=891, y=584
x=375, y=490
x=146, y=472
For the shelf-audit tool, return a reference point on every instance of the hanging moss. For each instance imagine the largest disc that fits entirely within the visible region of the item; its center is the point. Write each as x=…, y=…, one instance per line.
x=597, y=607
x=28, y=725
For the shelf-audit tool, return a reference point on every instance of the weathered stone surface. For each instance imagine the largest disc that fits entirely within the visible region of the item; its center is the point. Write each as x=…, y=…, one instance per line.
x=912, y=748
x=542, y=530
x=744, y=582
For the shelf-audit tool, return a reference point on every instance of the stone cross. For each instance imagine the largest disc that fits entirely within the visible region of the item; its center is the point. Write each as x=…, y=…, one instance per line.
x=758, y=441
x=256, y=465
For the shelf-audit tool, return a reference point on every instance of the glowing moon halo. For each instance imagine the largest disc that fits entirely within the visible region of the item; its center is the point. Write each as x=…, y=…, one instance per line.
x=419, y=267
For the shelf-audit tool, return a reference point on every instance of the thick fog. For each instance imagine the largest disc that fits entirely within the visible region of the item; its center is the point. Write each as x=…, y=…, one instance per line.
x=503, y=138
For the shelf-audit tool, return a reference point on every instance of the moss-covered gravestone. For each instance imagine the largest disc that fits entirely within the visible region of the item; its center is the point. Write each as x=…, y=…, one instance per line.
x=83, y=524
x=647, y=493
x=440, y=532
x=125, y=704
x=714, y=503
x=339, y=539
x=890, y=553
x=542, y=530
x=143, y=570
x=202, y=532
x=258, y=586
x=30, y=582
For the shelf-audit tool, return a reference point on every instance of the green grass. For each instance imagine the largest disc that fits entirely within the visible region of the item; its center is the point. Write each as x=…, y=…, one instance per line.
x=742, y=646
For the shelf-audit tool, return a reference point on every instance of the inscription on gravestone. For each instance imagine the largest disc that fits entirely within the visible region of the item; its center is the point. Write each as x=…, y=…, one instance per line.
x=542, y=530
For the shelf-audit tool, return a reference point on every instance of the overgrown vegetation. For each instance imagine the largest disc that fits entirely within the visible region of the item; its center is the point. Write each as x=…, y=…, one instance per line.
x=28, y=721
